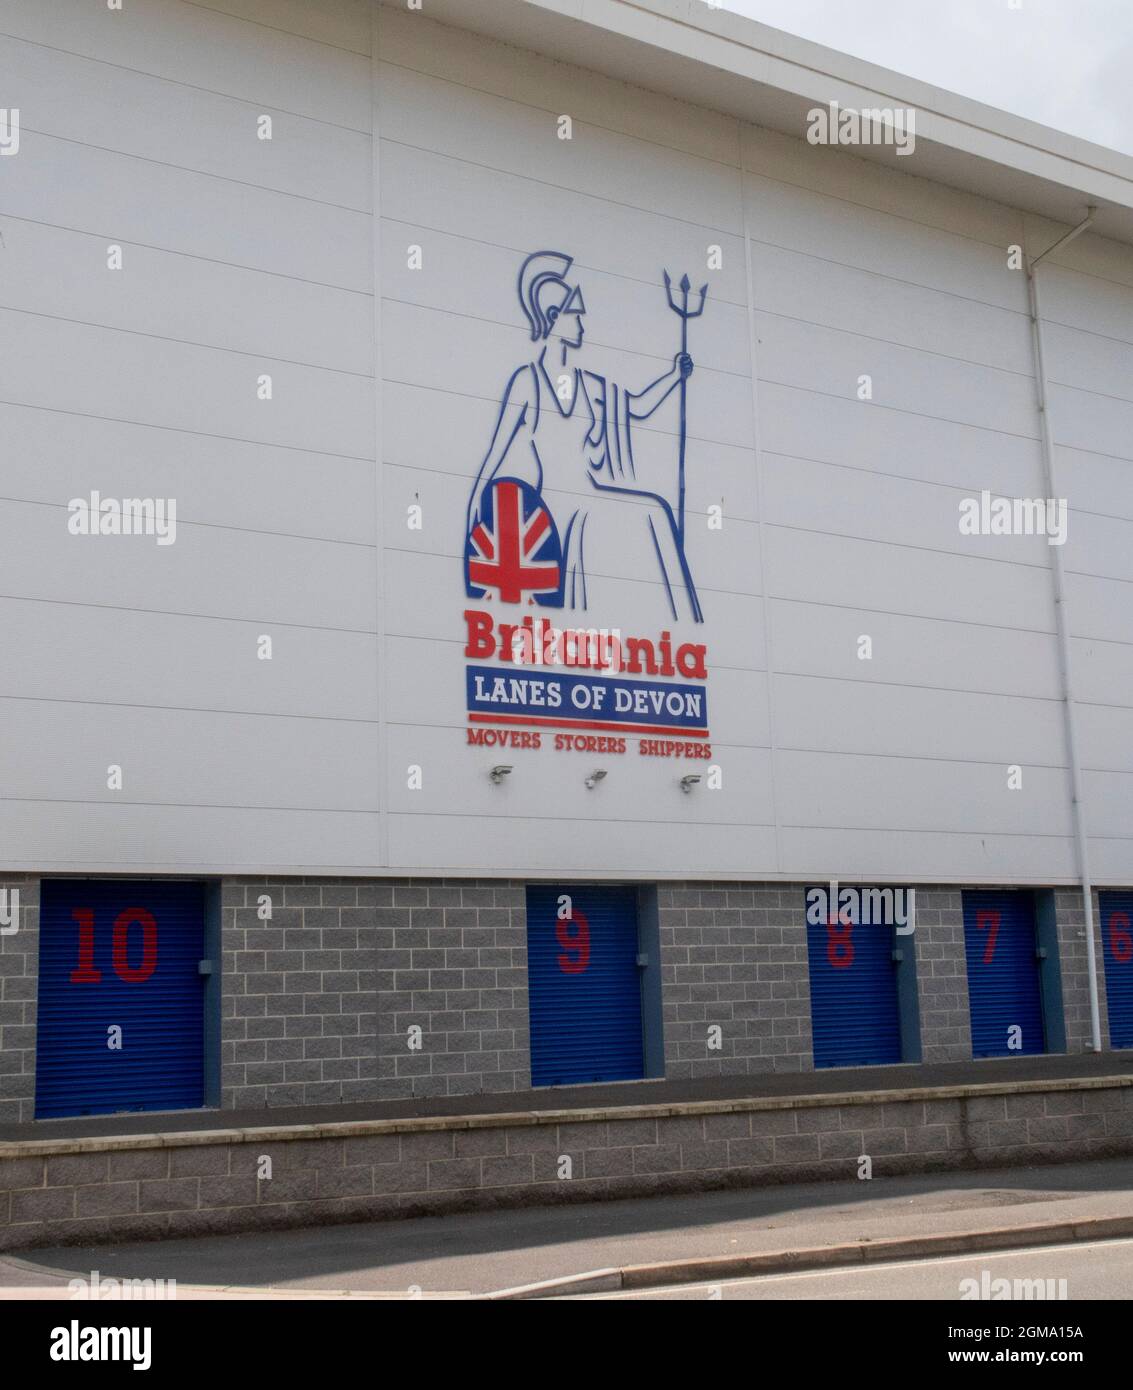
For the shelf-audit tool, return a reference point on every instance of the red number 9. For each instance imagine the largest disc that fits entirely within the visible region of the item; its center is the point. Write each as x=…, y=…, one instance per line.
x=575, y=944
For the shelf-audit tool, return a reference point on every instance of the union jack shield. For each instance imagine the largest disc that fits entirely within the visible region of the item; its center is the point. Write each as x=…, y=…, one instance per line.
x=513, y=552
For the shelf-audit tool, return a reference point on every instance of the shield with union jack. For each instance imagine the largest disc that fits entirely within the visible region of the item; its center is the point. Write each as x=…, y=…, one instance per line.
x=513, y=552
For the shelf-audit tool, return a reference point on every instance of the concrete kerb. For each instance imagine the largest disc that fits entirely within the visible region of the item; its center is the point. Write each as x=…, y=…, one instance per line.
x=349, y=1129
x=723, y=1267
x=57, y=1284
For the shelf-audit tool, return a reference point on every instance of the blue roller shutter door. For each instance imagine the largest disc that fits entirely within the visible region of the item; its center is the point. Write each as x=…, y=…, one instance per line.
x=1117, y=952
x=1003, y=974
x=854, y=1010
x=126, y=955
x=584, y=986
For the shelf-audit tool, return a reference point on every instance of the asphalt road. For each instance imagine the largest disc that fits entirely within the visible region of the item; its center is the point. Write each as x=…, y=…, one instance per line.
x=485, y=1251
x=1101, y=1271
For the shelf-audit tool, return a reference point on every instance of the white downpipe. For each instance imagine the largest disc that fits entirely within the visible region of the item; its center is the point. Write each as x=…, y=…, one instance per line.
x=1047, y=434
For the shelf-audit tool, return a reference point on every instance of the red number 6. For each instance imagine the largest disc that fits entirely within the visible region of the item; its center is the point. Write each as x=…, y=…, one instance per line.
x=1120, y=939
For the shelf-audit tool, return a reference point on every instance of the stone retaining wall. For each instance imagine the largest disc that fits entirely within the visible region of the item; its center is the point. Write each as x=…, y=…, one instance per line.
x=135, y=1187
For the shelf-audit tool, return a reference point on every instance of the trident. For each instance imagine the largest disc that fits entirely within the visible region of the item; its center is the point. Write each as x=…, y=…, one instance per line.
x=684, y=313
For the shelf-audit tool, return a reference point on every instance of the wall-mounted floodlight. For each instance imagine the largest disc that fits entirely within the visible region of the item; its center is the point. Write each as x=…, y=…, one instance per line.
x=595, y=777
x=689, y=780
x=499, y=772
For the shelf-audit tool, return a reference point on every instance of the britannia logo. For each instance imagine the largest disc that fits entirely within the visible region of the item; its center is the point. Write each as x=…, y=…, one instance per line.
x=563, y=515
x=558, y=496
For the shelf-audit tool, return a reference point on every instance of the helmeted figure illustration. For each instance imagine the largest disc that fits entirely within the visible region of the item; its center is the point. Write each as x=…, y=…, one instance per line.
x=557, y=497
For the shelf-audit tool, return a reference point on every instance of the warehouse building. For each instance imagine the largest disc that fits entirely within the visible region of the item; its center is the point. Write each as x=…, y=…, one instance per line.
x=527, y=561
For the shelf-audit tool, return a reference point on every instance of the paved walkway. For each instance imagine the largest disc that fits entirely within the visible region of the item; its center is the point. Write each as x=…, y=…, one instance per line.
x=840, y=1080
x=485, y=1251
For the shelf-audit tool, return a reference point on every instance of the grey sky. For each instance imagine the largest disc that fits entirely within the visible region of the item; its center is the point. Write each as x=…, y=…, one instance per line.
x=1065, y=63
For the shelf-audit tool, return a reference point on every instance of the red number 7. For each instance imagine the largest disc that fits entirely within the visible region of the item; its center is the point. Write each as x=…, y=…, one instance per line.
x=988, y=920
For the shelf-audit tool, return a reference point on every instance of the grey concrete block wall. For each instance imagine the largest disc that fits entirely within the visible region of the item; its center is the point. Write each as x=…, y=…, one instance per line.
x=452, y=961
x=1070, y=915
x=19, y=973
x=319, y=1002
x=300, y=991
x=942, y=976
x=734, y=955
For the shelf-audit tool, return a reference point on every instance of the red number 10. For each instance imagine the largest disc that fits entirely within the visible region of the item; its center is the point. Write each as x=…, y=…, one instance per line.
x=85, y=973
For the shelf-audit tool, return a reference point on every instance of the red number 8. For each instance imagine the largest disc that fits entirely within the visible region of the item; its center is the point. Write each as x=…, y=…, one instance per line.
x=839, y=947
x=1120, y=940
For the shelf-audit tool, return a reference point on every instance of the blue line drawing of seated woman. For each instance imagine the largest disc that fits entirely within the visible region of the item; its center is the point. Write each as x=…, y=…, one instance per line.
x=556, y=501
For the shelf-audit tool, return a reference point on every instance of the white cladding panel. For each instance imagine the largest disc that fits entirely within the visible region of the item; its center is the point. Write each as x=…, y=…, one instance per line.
x=862, y=367
x=1089, y=347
